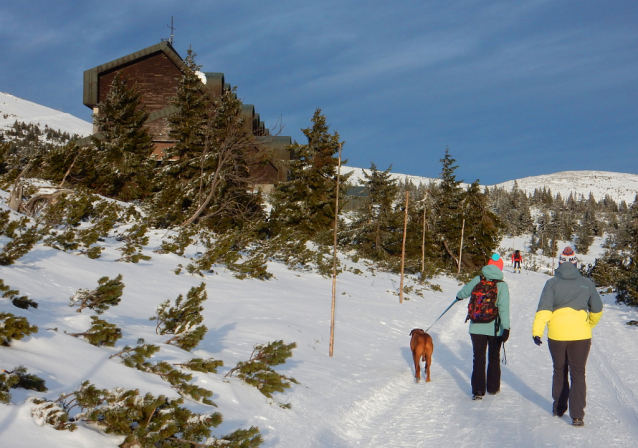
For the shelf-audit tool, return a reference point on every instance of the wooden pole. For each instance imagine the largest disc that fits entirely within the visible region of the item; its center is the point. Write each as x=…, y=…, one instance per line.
x=423, y=248
x=334, y=261
x=461, y=248
x=405, y=231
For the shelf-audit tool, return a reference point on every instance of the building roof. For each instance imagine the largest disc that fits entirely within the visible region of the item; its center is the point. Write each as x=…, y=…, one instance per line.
x=91, y=76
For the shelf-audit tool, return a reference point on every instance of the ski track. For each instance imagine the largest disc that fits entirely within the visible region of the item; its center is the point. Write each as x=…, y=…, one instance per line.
x=402, y=413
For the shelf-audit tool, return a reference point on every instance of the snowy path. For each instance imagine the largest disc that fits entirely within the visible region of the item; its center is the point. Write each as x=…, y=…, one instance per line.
x=364, y=396
x=389, y=409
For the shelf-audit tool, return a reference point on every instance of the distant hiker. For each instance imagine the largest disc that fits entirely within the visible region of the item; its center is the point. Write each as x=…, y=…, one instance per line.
x=489, y=313
x=516, y=260
x=570, y=307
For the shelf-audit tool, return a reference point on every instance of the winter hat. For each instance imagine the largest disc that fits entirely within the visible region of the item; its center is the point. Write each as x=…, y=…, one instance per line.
x=568, y=254
x=497, y=261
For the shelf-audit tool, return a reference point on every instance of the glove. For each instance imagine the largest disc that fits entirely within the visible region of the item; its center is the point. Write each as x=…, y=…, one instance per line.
x=505, y=336
x=537, y=340
x=458, y=299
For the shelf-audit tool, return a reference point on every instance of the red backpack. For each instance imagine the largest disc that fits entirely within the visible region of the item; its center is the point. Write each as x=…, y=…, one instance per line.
x=482, y=306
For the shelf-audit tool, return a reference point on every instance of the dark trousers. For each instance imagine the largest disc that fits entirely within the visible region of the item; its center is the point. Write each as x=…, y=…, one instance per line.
x=481, y=344
x=570, y=358
x=517, y=264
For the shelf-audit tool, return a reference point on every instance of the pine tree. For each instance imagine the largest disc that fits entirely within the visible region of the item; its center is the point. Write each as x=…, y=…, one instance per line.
x=182, y=319
x=201, y=365
x=135, y=238
x=124, y=169
x=14, y=327
x=107, y=294
x=23, y=302
x=137, y=357
x=19, y=246
x=257, y=371
x=100, y=333
x=18, y=378
x=146, y=421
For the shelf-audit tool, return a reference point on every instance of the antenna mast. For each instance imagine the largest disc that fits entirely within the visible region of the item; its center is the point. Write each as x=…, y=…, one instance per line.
x=170, y=41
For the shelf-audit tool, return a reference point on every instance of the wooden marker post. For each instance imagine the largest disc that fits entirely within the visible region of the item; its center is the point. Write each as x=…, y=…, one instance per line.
x=461, y=248
x=334, y=262
x=405, y=231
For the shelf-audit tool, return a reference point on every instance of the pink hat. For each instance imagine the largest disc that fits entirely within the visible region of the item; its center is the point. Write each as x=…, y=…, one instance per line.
x=497, y=261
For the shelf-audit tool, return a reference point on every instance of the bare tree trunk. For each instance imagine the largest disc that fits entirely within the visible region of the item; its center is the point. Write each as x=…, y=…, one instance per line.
x=334, y=262
x=69, y=170
x=405, y=231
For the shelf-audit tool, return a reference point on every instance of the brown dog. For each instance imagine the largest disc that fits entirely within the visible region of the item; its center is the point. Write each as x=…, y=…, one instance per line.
x=422, y=347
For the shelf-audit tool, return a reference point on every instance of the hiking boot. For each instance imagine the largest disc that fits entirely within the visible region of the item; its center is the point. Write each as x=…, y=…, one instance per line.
x=578, y=422
x=477, y=397
x=558, y=413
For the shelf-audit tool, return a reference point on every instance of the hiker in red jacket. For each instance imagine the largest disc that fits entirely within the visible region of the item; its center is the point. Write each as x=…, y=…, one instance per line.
x=516, y=260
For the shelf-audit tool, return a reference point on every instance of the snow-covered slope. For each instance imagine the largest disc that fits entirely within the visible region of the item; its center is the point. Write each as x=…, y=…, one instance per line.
x=363, y=396
x=13, y=108
x=619, y=186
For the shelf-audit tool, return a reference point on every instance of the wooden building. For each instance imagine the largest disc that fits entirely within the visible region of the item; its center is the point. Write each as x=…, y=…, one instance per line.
x=155, y=72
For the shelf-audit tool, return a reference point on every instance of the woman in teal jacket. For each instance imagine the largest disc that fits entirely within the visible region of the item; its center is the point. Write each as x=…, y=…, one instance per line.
x=489, y=336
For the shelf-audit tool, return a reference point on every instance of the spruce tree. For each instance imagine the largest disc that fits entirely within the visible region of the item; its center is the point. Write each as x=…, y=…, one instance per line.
x=374, y=231
x=205, y=177
x=307, y=201
x=124, y=169
x=448, y=201
x=482, y=228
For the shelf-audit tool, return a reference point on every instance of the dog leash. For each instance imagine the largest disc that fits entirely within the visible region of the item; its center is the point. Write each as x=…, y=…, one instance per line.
x=442, y=314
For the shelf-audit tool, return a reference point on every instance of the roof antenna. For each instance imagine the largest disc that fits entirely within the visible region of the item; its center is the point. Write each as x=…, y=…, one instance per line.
x=170, y=41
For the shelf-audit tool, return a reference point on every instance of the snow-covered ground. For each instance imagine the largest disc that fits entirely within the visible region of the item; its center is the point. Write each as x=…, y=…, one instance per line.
x=363, y=396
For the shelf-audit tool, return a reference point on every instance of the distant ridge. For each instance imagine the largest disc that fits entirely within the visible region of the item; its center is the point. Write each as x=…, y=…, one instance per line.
x=13, y=108
x=619, y=186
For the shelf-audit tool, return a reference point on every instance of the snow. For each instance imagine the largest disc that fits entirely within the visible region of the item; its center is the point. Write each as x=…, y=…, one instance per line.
x=363, y=396
x=619, y=186
x=13, y=108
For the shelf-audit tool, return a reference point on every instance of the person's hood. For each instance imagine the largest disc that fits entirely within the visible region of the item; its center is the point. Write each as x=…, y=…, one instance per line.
x=492, y=272
x=567, y=271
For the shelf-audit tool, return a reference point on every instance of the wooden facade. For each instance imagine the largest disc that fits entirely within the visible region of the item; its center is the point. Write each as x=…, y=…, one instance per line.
x=155, y=72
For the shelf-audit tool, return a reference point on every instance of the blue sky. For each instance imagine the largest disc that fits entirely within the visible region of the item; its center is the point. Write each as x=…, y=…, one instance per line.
x=513, y=88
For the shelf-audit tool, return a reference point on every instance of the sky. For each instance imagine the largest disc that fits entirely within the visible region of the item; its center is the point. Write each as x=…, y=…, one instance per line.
x=513, y=89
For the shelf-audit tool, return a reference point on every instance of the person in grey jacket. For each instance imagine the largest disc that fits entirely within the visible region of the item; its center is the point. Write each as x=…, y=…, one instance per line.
x=570, y=307
x=489, y=336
